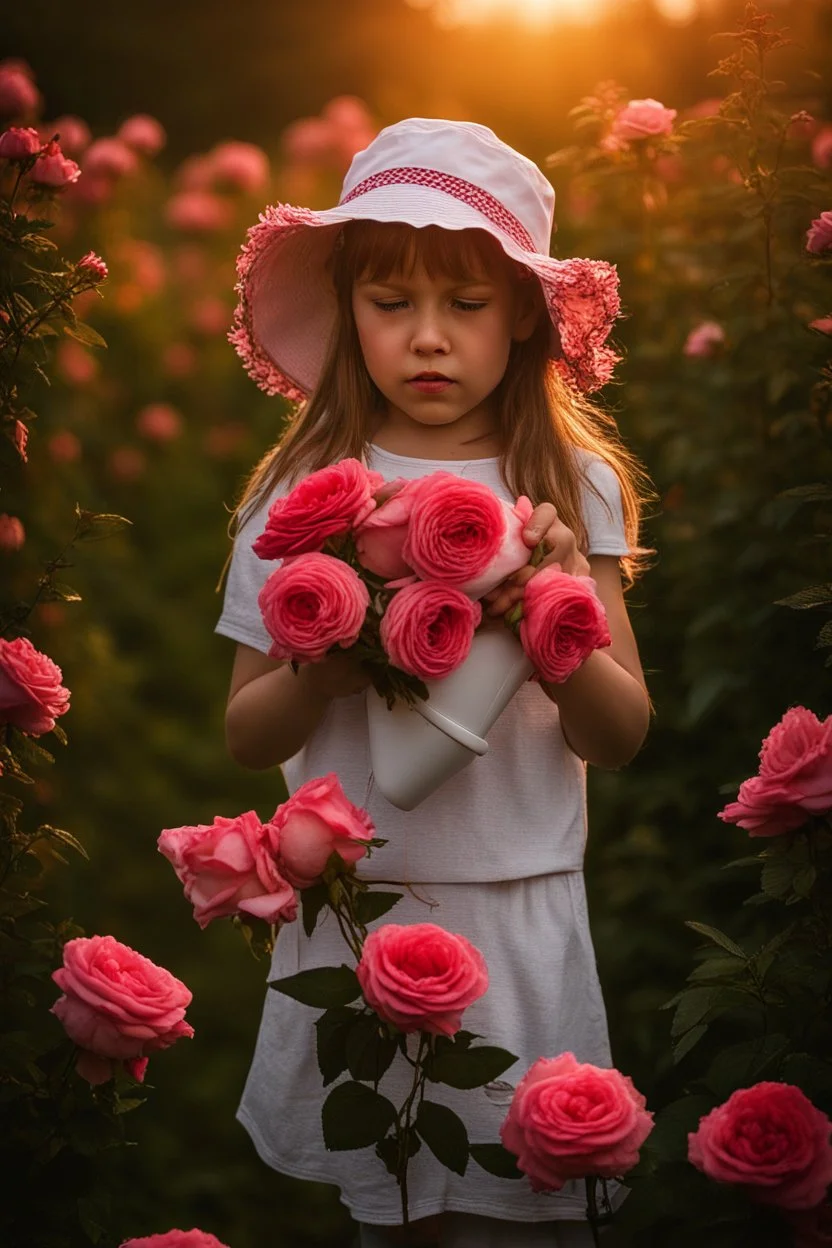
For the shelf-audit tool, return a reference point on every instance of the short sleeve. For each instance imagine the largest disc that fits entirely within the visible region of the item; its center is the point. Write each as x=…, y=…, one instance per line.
x=240, y=619
x=604, y=516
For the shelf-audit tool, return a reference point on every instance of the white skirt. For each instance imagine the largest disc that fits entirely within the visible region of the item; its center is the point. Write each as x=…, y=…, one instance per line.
x=543, y=999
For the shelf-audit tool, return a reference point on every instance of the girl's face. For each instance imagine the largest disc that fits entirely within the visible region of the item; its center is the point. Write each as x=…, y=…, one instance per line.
x=437, y=346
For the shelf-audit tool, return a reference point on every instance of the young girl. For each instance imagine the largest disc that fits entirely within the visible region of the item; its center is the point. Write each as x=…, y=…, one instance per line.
x=431, y=330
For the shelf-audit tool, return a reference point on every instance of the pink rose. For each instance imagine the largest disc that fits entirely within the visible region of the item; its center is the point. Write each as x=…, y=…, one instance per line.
x=53, y=169
x=317, y=821
x=242, y=166
x=428, y=628
x=819, y=234
x=327, y=503
x=110, y=158
x=822, y=148
x=568, y=1120
x=823, y=324
x=18, y=93
x=311, y=603
x=12, y=532
x=31, y=694
x=175, y=1239
x=462, y=534
x=704, y=340
x=198, y=212
x=117, y=1005
x=19, y=143
x=228, y=867
x=643, y=119
x=770, y=1140
x=143, y=133
x=379, y=540
x=159, y=422
x=563, y=622
x=72, y=132
x=421, y=978
x=21, y=440
x=794, y=780
x=92, y=267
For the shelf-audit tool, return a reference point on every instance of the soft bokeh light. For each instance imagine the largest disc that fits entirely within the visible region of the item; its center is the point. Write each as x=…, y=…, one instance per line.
x=540, y=13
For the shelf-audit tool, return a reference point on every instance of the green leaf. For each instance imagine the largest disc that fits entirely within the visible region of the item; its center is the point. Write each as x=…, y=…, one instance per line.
x=96, y=526
x=57, y=591
x=388, y=1151
x=696, y=1003
x=741, y=1065
x=323, y=986
x=778, y=876
x=812, y=596
x=370, y=1048
x=688, y=1041
x=811, y=1074
x=354, y=1116
x=496, y=1160
x=332, y=1029
x=668, y=1141
x=60, y=834
x=312, y=902
x=819, y=491
x=125, y=1103
x=470, y=1068
x=445, y=1135
x=85, y=333
x=718, y=937
x=370, y=906
x=824, y=637
x=713, y=969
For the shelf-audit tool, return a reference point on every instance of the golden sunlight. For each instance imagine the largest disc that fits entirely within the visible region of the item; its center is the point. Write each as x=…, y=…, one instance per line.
x=539, y=13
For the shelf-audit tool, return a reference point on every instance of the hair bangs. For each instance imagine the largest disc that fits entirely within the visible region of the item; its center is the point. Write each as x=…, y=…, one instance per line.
x=377, y=250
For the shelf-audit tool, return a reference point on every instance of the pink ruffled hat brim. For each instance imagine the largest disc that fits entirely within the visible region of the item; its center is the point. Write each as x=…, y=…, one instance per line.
x=286, y=309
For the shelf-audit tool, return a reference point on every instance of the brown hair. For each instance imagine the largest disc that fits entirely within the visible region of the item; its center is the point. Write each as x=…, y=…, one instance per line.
x=542, y=418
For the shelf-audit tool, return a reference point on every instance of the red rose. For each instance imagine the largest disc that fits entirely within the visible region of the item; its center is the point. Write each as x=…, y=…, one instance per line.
x=421, y=978
x=117, y=1005
x=428, y=628
x=769, y=1139
x=327, y=503
x=316, y=821
x=311, y=603
x=31, y=694
x=175, y=1239
x=227, y=867
x=563, y=622
x=568, y=1120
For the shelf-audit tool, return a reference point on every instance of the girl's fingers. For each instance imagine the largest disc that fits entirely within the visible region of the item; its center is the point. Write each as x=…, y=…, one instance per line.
x=539, y=523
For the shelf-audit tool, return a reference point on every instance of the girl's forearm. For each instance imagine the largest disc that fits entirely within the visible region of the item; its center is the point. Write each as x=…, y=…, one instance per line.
x=272, y=717
x=604, y=711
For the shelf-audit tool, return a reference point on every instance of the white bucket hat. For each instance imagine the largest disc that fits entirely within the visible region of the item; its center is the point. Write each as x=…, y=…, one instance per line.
x=411, y=173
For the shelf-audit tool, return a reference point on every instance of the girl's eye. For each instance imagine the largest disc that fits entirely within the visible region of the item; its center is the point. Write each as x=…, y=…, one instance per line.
x=390, y=305
x=469, y=305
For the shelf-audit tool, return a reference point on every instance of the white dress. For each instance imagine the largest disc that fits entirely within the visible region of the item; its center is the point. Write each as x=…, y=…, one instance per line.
x=496, y=855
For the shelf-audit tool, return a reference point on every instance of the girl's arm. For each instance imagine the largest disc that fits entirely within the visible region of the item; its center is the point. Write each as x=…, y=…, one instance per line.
x=272, y=711
x=604, y=706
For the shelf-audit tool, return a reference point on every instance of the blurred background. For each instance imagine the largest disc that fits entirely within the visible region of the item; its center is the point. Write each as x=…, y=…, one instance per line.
x=245, y=105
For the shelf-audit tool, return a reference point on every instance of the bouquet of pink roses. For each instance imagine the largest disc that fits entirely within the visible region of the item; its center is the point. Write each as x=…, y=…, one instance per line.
x=394, y=572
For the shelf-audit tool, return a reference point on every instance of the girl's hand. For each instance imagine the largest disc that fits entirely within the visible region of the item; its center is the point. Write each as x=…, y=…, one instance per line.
x=336, y=676
x=562, y=549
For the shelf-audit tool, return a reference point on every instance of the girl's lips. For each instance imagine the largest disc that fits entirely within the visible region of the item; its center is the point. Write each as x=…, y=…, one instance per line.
x=430, y=385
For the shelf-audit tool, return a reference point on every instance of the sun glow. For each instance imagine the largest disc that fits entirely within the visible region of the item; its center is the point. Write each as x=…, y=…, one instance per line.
x=538, y=13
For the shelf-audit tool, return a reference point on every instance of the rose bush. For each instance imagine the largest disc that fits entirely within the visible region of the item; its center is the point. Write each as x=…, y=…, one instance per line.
x=327, y=503
x=428, y=628
x=569, y=1119
x=421, y=978
x=563, y=621
x=771, y=1141
x=117, y=1006
x=311, y=603
x=228, y=867
x=31, y=694
x=317, y=821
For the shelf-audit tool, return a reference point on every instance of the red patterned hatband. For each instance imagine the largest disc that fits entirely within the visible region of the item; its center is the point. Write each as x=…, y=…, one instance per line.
x=466, y=192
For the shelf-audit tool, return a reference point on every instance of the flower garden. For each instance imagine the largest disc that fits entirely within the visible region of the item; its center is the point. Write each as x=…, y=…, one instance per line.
x=127, y=430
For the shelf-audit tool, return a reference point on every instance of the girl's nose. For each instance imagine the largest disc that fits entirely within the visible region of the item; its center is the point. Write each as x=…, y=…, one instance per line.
x=429, y=336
